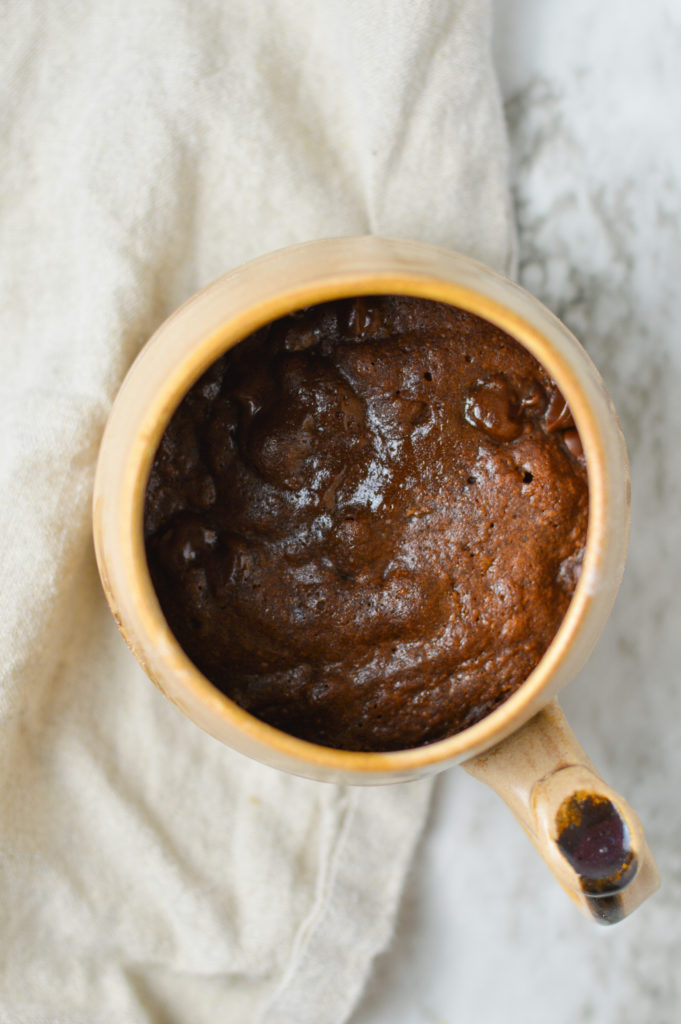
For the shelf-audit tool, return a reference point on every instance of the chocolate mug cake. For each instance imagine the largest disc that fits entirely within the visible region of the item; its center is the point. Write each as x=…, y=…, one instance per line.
x=377, y=507
x=365, y=522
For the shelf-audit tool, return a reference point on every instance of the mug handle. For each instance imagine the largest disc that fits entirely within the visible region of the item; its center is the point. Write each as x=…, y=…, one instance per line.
x=588, y=835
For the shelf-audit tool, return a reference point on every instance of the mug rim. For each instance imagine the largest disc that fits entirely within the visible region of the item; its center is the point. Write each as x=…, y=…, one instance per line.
x=386, y=270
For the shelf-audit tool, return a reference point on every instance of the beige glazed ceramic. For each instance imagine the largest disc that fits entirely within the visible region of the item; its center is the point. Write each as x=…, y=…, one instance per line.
x=588, y=835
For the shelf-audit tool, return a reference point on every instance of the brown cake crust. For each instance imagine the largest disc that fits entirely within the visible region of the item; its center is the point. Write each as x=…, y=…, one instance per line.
x=365, y=522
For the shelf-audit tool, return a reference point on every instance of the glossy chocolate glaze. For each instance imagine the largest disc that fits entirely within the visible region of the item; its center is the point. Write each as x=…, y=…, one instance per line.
x=365, y=522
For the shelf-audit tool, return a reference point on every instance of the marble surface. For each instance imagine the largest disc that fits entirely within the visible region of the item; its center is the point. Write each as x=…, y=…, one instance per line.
x=593, y=99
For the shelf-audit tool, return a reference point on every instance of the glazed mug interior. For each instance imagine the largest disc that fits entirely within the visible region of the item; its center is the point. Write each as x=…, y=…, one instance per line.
x=222, y=315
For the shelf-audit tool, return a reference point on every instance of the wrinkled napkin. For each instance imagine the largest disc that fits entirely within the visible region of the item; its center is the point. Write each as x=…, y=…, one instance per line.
x=147, y=873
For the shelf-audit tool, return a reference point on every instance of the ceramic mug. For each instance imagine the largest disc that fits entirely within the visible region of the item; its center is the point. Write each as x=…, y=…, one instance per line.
x=524, y=749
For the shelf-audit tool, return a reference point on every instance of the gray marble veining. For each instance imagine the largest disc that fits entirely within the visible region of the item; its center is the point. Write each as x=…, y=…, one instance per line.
x=593, y=100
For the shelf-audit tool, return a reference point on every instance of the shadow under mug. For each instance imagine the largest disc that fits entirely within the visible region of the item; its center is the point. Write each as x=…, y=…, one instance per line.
x=524, y=749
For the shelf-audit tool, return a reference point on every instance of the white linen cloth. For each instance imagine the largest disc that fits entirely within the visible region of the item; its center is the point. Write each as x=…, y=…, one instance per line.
x=148, y=873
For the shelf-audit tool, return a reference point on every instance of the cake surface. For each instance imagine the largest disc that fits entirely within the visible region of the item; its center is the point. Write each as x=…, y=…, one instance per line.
x=366, y=521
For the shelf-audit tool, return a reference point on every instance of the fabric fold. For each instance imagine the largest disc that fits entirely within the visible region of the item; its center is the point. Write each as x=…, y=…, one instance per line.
x=146, y=872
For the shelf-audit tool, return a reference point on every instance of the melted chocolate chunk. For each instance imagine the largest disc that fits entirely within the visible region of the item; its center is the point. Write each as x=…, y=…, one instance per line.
x=366, y=521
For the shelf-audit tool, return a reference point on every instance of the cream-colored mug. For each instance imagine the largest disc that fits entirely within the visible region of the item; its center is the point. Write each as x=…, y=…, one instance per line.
x=524, y=749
